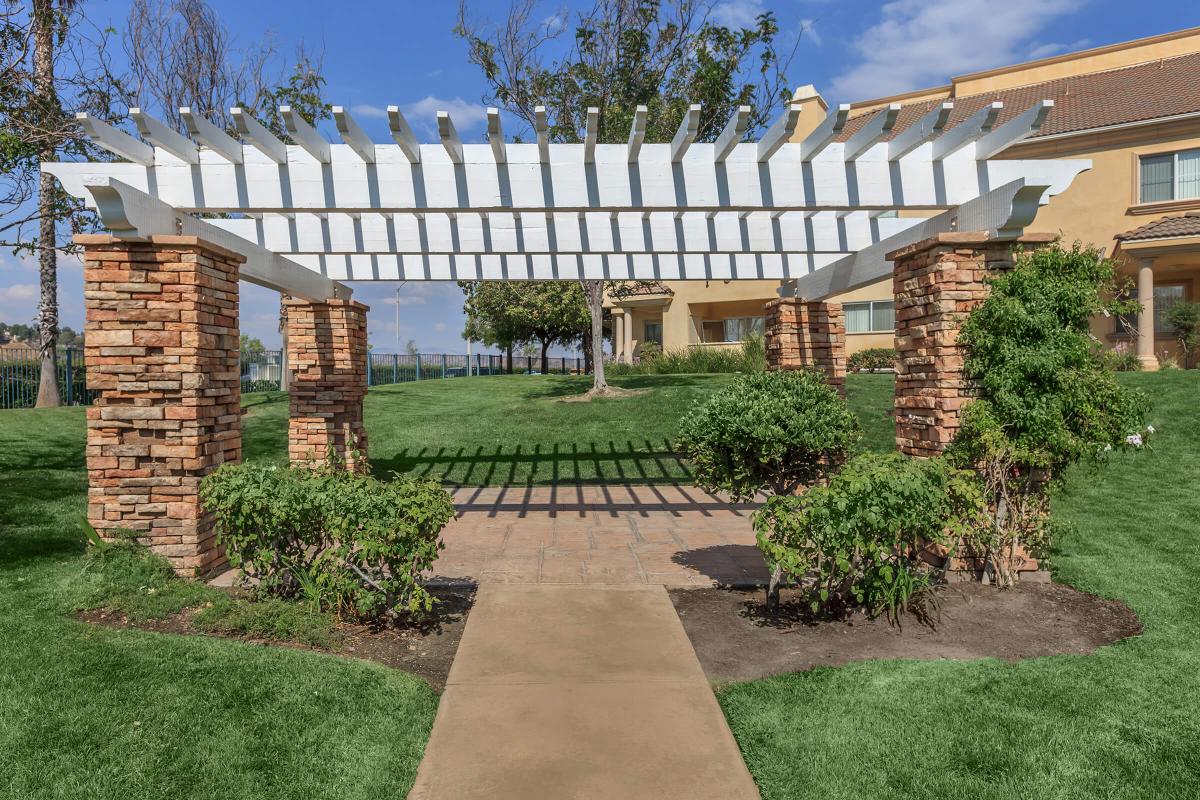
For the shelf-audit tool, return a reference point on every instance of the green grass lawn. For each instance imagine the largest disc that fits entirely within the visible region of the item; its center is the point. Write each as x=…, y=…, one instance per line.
x=89, y=712
x=1123, y=722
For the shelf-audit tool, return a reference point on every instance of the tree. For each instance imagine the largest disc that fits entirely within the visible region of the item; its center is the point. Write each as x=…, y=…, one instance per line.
x=664, y=54
x=411, y=348
x=1047, y=396
x=1184, y=321
x=509, y=313
x=251, y=349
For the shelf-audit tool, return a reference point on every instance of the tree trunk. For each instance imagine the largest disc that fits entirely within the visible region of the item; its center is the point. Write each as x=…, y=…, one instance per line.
x=587, y=349
x=43, y=78
x=594, y=292
x=545, y=357
x=508, y=350
x=283, y=338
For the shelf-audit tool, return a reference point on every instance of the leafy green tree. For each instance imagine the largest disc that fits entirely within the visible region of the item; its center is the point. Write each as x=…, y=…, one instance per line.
x=619, y=54
x=1184, y=321
x=510, y=313
x=1047, y=395
x=251, y=349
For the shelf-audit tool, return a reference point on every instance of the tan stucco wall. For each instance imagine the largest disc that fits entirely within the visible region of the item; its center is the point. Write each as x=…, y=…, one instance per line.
x=710, y=300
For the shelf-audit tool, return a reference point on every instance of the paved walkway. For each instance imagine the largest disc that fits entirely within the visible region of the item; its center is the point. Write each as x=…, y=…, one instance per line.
x=578, y=692
x=669, y=535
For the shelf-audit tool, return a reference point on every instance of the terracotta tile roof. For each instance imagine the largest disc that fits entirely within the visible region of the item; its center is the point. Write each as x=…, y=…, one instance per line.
x=1165, y=228
x=1147, y=91
x=642, y=288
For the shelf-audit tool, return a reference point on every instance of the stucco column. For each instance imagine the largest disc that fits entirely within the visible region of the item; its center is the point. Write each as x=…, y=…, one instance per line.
x=628, y=336
x=618, y=343
x=1145, y=340
x=327, y=353
x=162, y=351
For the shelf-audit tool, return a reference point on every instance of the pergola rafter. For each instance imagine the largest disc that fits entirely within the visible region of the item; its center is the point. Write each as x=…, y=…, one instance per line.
x=772, y=208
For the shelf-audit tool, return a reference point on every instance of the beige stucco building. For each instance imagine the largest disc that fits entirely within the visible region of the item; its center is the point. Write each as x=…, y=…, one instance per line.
x=1132, y=108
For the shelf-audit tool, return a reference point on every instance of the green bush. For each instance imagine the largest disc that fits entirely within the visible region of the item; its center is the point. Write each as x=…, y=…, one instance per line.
x=1184, y=321
x=857, y=540
x=1047, y=394
x=873, y=359
x=750, y=357
x=341, y=541
x=775, y=431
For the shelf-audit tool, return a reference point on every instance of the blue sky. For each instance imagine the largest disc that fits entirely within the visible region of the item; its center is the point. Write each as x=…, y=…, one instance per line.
x=404, y=52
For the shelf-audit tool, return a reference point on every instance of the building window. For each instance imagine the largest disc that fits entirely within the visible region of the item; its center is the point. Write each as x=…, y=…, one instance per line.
x=736, y=329
x=870, y=317
x=1165, y=296
x=654, y=333
x=1170, y=176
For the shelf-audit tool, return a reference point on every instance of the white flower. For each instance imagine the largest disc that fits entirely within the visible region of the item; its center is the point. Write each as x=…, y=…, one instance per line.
x=1134, y=439
x=1107, y=448
x=1149, y=429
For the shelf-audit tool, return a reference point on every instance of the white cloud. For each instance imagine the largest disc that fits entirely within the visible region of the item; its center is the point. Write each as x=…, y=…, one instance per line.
x=404, y=300
x=369, y=111
x=18, y=291
x=924, y=42
x=466, y=116
x=1054, y=48
x=737, y=13
x=808, y=30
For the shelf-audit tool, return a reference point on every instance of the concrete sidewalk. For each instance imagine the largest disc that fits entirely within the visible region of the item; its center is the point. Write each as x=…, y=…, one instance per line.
x=578, y=691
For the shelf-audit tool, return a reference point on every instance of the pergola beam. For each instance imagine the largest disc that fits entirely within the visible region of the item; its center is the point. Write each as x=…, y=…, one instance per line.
x=686, y=134
x=637, y=133
x=966, y=131
x=160, y=135
x=733, y=133
x=541, y=127
x=115, y=141
x=211, y=136
x=259, y=137
x=449, y=136
x=403, y=135
x=866, y=136
x=779, y=134
x=825, y=133
x=305, y=134
x=1020, y=127
x=920, y=131
x=353, y=135
x=496, y=136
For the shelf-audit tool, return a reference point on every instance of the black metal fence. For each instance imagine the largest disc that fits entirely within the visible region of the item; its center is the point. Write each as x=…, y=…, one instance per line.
x=21, y=372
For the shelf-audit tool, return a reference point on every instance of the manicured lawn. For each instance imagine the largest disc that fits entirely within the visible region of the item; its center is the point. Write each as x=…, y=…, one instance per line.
x=94, y=713
x=1121, y=723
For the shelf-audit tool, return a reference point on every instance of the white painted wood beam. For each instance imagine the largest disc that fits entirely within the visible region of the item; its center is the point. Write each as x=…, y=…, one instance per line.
x=496, y=136
x=403, y=135
x=825, y=133
x=686, y=134
x=158, y=134
x=115, y=141
x=1025, y=124
x=637, y=132
x=305, y=134
x=734, y=132
x=779, y=134
x=259, y=137
x=966, y=131
x=591, y=131
x=541, y=127
x=211, y=136
x=920, y=131
x=866, y=136
x=449, y=136
x=353, y=135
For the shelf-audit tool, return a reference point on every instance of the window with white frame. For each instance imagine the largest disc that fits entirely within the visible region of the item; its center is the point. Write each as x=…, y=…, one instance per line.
x=1170, y=176
x=870, y=317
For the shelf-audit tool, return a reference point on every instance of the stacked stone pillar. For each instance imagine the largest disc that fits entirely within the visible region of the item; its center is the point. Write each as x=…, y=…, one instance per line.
x=936, y=283
x=327, y=359
x=807, y=335
x=162, y=351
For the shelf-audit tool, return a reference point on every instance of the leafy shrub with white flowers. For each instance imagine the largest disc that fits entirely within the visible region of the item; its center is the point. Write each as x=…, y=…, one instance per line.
x=1047, y=394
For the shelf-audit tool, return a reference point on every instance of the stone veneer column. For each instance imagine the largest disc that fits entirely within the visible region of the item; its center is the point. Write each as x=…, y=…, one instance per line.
x=162, y=351
x=936, y=282
x=807, y=335
x=327, y=356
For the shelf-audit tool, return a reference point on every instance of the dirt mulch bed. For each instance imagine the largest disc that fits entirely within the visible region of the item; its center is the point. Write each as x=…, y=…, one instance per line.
x=737, y=640
x=425, y=650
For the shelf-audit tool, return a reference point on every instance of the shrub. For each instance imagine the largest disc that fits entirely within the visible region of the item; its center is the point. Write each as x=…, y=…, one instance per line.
x=777, y=431
x=1184, y=321
x=1123, y=358
x=1047, y=395
x=341, y=541
x=751, y=357
x=872, y=359
x=857, y=540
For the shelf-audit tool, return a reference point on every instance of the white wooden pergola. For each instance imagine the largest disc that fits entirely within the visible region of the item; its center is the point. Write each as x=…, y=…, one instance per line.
x=819, y=212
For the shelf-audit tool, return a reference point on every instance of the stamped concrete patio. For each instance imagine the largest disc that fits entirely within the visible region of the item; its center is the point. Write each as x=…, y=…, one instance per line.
x=666, y=534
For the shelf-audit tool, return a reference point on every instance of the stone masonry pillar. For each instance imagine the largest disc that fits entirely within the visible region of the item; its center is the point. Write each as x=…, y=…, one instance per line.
x=162, y=351
x=327, y=356
x=807, y=335
x=936, y=283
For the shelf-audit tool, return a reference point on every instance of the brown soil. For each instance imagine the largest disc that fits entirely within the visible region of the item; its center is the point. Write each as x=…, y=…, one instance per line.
x=737, y=640
x=425, y=650
x=611, y=393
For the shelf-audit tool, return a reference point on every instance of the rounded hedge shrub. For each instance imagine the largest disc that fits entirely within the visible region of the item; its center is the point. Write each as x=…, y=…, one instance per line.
x=773, y=431
x=873, y=359
x=339, y=540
